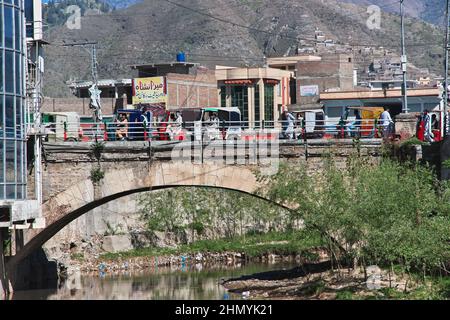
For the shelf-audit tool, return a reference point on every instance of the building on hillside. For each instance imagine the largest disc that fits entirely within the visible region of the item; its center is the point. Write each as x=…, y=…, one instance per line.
x=333, y=72
x=391, y=84
x=260, y=93
x=290, y=64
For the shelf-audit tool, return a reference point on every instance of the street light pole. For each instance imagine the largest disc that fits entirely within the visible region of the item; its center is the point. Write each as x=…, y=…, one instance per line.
x=404, y=60
x=446, y=48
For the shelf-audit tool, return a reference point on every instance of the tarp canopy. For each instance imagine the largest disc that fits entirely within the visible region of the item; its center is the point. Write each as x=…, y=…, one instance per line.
x=304, y=107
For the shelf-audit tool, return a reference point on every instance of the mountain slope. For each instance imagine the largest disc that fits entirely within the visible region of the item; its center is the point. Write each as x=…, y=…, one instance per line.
x=432, y=11
x=225, y=32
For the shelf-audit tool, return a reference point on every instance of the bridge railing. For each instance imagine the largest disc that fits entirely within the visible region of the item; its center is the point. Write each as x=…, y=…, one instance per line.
x=207, y=130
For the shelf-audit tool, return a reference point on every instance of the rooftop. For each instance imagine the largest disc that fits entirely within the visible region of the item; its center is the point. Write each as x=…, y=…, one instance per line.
x=368, y=94
x=101, y=83
x=282, y=61
x=165, y=64
x=223, y=73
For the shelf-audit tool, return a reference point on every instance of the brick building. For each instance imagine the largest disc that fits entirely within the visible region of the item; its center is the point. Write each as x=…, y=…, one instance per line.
x=332, y=73
x=187, y=85
x=313, y=74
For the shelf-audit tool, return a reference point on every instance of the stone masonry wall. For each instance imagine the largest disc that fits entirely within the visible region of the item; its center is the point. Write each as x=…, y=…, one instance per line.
x=69, y=164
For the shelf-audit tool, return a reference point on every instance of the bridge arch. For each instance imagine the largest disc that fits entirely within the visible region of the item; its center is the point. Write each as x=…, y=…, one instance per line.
x=83, y=197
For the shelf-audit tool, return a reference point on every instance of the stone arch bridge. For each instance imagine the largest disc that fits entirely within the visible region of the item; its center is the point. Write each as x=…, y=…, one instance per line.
x=135, y=167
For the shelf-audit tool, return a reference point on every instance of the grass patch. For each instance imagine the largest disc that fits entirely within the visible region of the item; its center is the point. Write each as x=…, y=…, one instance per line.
x=345, y=295
x=298, y=242
x=77, y=256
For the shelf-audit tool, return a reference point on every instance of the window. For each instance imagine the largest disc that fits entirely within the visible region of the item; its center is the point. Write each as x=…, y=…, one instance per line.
x=18, y=75
x=17, y=26
x=9, y=71
x=269, y=105
x=12, y=134
x=223, y=97
x=9, y=30
x=334, y=112
x=257, y=107
x=239, y=98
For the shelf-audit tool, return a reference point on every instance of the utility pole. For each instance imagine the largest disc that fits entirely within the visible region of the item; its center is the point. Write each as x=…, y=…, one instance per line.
x=404, y=60
x=446, y=48
x=95, y=104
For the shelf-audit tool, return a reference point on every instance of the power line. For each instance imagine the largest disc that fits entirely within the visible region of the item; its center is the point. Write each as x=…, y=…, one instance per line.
x=231, y=22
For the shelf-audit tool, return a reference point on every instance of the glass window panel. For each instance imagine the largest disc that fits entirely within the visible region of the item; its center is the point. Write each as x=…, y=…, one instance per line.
x=9, y=116
x=1, y=28
x=2, y=174
x=223, y=97
x=1, y=71
x=9, y=71
x=19, y=194
x=19, y=133
x=2, y=112
x=2, y=191
x=269, y=104
x=17, y=25
x=10, y=191
x=335, y=112
x=19, y=170
x=257, y=106
x=10, y=161
x=239, y=98
x=29, y=17
x=9, y=30
x=18, y=75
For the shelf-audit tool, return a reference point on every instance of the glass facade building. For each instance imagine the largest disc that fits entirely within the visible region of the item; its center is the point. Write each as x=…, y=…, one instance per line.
x=12, y=101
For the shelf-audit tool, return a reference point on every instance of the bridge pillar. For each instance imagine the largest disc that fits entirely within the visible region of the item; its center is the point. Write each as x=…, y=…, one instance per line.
x=4, y=283
x=18, y=241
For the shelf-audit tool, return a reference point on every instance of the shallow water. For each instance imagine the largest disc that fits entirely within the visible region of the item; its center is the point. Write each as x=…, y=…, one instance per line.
x=197, y=282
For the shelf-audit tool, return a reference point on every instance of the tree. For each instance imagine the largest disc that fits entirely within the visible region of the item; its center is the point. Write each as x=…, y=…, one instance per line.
x=387, y=214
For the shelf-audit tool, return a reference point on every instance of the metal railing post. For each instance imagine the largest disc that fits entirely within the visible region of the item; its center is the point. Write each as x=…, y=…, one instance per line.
x=65, y=131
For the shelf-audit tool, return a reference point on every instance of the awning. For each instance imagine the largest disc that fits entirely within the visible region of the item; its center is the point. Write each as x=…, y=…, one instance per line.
x=271, y=81
x=242, y=82
x=304, y=107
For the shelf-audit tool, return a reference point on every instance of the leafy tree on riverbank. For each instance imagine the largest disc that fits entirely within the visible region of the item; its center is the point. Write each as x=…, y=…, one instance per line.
x=387, y=214
x=211, y=213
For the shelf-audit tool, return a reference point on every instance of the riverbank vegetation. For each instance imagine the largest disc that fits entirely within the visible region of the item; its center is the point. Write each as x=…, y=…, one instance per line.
x=300, y=243
x=388, y=214
x=393, y=215
x=211, y=214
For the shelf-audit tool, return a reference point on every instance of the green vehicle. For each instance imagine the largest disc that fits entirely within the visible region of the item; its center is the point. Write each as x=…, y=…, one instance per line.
x=61, y=126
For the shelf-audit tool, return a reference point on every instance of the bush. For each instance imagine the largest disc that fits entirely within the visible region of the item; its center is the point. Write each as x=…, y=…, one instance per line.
x=387, y=214
x=97, y=175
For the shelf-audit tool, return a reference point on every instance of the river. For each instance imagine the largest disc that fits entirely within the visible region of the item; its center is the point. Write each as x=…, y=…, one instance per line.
x=196, y=282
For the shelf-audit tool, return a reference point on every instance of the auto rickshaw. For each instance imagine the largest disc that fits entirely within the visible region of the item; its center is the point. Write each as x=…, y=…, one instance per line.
x=310, y=124
x=197, y=121
x=367, y=126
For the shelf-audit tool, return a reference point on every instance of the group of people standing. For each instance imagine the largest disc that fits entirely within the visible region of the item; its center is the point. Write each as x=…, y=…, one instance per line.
x=385, y=123
x=428, y=127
